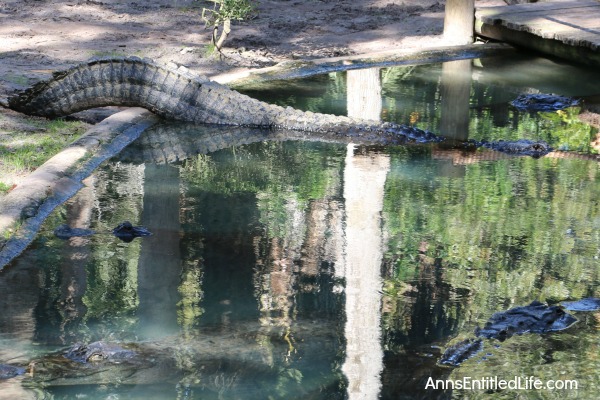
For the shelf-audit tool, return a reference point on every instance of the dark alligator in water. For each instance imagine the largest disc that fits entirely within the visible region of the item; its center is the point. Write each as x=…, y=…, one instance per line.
x=176, y=93
x=124, y=231
x=127, y=232
x=99, y=352
x=522, y=147
x=207, y=359
x=534, y=318
x=543, y=102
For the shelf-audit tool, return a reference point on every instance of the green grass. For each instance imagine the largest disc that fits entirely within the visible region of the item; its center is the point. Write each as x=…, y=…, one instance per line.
x=21, y=153
x=4, y=187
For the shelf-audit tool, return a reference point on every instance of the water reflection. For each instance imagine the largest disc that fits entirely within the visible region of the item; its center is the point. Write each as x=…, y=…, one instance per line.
x=297, y=266
x=465, y=99
x=455, y=94
x=364, y=181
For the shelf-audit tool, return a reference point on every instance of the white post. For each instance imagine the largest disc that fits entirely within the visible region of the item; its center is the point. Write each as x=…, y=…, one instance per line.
x=459, y=21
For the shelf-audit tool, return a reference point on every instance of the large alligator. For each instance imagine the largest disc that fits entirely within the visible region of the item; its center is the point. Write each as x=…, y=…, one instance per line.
x=176, y=93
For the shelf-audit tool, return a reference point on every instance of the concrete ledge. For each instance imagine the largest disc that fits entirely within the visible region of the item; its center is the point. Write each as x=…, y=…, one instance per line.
x=303, y=68
x=24, y=209
x=551, y=47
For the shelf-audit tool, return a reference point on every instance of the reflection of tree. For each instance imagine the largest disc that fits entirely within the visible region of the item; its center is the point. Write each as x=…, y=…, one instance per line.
x=111, y=296
x=61, y=316
x=74, y=259
x=295, y=237
x=509, y=230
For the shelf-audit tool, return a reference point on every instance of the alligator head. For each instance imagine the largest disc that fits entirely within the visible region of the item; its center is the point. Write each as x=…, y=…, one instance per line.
x=98, y=351
x=127, y=232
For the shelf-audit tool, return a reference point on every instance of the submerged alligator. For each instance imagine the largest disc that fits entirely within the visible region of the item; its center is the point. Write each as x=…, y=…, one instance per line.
x=99, y=351
x=534, y=318
x=176, y=93
x=543, y=102
x=124, y=231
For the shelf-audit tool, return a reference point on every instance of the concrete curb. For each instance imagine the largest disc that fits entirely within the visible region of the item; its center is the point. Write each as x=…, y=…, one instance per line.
x=303, y=68
x=24, y=209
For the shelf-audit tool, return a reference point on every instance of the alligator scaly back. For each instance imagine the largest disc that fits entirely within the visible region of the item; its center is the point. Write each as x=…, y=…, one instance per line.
x=177, y=93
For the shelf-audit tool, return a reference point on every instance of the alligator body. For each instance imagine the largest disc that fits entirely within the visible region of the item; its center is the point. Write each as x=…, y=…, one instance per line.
x=460, y=352
x=64, y=231
x=543, y=102
x=534, y=318
x=124, y=231
x=522, y=147
x=177, y=93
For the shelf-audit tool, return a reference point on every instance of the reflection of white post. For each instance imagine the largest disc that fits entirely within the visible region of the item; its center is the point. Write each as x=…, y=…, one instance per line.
x=455, y=94
x=363, y=93
x=364, y=180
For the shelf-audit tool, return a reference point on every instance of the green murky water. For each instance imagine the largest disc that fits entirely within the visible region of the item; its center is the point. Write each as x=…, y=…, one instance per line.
x=285, y=268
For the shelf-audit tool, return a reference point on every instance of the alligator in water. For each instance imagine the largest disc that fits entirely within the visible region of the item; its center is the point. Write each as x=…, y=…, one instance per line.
x=521, y=147
x=176, y=93
x=534, y=318
x=543, y=102
x=124, y=231
x=99, y=351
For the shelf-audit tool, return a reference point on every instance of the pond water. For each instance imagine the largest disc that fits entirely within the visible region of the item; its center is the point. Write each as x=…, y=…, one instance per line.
x=283, y=267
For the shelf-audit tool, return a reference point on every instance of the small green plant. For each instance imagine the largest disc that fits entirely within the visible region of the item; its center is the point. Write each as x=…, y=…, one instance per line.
x=220, y=16
x=4, y=188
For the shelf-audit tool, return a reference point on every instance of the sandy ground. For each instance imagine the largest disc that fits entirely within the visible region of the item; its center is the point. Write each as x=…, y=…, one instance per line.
x=40, y=36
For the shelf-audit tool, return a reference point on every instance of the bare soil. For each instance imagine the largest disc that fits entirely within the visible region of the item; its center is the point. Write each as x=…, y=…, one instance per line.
x=41, y=36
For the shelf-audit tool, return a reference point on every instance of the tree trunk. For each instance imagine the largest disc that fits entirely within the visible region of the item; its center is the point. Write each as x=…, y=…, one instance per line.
x=217, y=39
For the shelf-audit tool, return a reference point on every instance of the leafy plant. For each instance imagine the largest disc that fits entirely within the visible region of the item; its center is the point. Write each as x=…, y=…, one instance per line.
x=220, y=16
